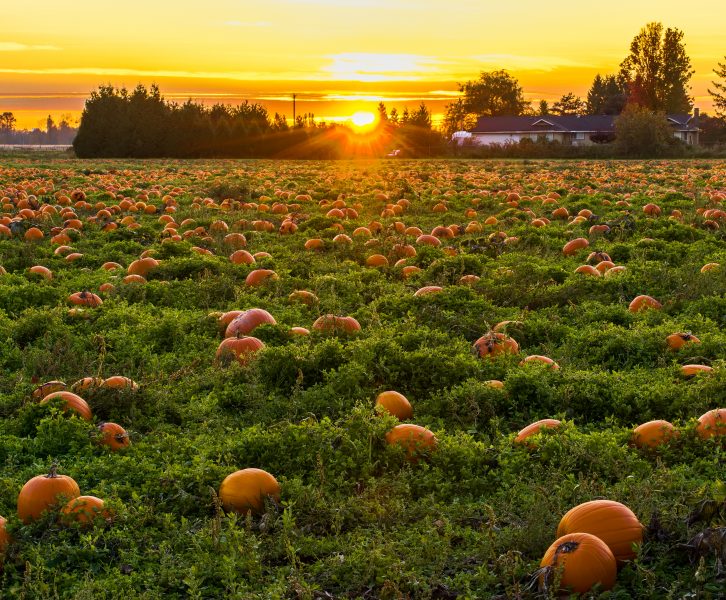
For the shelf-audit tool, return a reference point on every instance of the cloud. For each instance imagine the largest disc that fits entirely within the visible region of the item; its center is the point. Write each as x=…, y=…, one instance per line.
x=367, y=66
x=520, y=62
x=16, y=47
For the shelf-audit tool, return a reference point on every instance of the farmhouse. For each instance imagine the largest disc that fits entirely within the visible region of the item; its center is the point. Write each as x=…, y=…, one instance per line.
x=568, y=129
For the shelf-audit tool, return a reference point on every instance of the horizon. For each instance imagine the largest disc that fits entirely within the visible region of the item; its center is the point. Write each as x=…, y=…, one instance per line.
x=340, y=57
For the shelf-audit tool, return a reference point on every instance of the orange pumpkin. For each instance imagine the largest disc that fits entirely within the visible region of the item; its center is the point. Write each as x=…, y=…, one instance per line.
x=71, y=402
x=114, y=436
x=241, y=257
x=303, y=296
x=538, y=358
x=428, y=289
x=414, y=439
x=588, y=270
x=653, y=434
x=85, y=299
x=260, y=277
x=712, y=423
x=299, y=331
x=44, y=272
x=4, y=538
x=143, y=266
x=243, y=349
x=643, y=302
x=613, y=522
x=119, y=382
x=572, y=247
x=493, y=343
x=395, y=404
x=693, y=370
x=331, y=323
x=48, y=388
x=245, y=491
x=676, y=341
x=248, y=321
x=43, y=492
x=87, y=383
x=84, y=510
x=536, y=428
x=582, y=561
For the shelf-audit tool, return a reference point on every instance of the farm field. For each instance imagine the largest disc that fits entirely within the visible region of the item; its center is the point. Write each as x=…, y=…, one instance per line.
x=454, y=276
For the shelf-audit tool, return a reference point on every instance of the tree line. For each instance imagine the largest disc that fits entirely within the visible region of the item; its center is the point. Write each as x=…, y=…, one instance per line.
x=142, y=124
x=61, y=134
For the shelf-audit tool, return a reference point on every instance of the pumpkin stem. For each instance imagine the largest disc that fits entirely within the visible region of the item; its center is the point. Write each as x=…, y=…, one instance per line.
x=566, y=548
x=53, y=473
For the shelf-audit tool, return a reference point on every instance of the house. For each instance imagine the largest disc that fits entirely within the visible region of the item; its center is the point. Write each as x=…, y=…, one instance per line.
x=572, y=130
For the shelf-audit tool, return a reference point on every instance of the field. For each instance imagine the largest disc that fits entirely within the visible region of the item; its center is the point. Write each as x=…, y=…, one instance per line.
x=357, y=517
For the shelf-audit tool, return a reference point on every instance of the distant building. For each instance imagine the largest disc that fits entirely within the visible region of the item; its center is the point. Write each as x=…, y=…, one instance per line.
x=569, y=129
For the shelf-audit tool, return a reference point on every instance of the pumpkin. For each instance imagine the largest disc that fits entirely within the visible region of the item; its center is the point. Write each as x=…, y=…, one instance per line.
x=87, y=383
x=377, y=260
x=4, y=538
x=119, y=382
x=248, y=321
x=84, y=510
x=242, y=349
x=613, y=522
x=676, y=341
x=299, y=331
x=712, y=423
x=245, y=491
x=710, y=267
x=495, y=383
x=693, y=370
x=494, y=343
x=48, y=388
x=331, y=323
x=468, y=279
x=414, y=439
x=114, y=436
x=582, y=561
x=71, y=402
x=536, y=428
x=260, y=277
x=314, y=244
x=395, y=404
x=428, y=240
x=85, y=299
x=653, y=434
x=44, y=272
x=643, y=302
x=143, y=266
x=241, y=257
x=572, y=247
x=545, y=360
x=43, y=492
x=429, y=289
x=303, y=296
x=226, y=318
x=588, y=270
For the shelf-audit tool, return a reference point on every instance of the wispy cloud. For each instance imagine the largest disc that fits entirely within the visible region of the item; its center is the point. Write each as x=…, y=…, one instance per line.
x=366, y=66
x=17, y=47
x=526, y=62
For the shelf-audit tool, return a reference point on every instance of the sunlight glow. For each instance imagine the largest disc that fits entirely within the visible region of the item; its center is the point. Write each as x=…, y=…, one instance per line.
x=362, y=119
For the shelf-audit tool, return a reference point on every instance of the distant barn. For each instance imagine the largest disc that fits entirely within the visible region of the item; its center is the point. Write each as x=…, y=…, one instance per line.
x=569, y=129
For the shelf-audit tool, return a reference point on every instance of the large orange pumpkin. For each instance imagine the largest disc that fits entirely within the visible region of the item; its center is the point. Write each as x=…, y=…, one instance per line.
x=43, y=492
x=114, y=436
x=572, y=247
x=414, y=439
x=260, y=277
x=71, y=402
x=613, y=522
x=244, y=491
x=653, y=434
x=582, y=561
x=84, y=510
x=676, y=341
x=712, y=423
x=643, y=302
x=85, y=299
x=331, y=323
x=494, y=343
x=248, y=321
x=395, y=404
x=143, y=266
x=241, y=348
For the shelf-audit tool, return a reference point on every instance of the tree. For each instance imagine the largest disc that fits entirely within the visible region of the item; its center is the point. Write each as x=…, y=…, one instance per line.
x=640, y=132
x=544, y=108
x=658, y=63
x=457, y=119
x=7, y=122
x=568, y=104
x=495, y=93
x=607, y=96
x=719, y=92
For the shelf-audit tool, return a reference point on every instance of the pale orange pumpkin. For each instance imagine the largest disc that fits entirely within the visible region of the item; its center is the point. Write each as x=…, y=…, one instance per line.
x=395, y=404
x=44, y=492
x=245, y=491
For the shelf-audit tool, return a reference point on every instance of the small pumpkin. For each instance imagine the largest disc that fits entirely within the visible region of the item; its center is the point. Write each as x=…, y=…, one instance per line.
x=582, y=560
x=643, y=302
x=260, y=277
x=114, y=436
x=535, y=428
x=574, y=246
x=676, y=341
x=84, y=510
x=653, y=434
x=332, y=323
x=428, y=289
x=85, y=298
x=539, y=359
x=48, y=388
x=712, y=423
x=693, y=370
x=245, y=491
x=119, y=382
x=494, y=343
x=395, y=404
x=242, y=349
x=4, y=538
x=414, y=439
x=613, y=522
x=43, y=492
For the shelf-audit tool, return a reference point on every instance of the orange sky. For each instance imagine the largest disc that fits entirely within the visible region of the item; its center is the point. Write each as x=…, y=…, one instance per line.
x=340, y=56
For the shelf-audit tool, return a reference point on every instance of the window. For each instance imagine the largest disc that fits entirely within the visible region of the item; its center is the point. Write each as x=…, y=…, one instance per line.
x=580, y=135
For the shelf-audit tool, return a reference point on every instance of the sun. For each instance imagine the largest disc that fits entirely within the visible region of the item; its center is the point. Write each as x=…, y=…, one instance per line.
x=363, y=119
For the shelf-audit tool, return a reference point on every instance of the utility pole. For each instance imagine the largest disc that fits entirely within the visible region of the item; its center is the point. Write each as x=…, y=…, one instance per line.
x=294, y=116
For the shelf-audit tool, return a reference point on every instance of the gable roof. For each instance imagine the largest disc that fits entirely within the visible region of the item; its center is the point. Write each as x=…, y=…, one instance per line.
x=563, y=123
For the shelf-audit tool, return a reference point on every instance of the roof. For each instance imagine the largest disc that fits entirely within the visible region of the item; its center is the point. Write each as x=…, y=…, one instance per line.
x=565, y=123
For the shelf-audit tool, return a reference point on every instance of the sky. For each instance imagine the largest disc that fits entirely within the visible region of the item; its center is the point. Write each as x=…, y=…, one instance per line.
x=339, y=56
